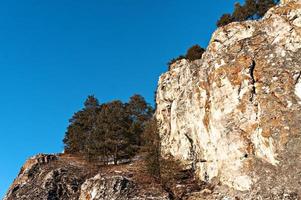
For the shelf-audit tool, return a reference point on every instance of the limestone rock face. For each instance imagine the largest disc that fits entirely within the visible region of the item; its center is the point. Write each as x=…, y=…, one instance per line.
x=234, y=115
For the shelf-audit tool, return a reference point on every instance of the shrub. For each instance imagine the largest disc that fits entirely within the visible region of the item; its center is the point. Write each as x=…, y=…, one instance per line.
x=171, y=171
x=166, y=169
x=195, y=52
x=172, y=61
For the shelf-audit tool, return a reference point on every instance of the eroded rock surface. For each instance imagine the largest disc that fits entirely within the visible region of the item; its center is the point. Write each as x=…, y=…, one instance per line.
x=47, y=177
x=113, y=187
x=117, y=187
x=235, y=114
x=53, y=177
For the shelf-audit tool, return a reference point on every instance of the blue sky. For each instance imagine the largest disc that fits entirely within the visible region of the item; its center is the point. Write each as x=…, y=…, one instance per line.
x=53, y=53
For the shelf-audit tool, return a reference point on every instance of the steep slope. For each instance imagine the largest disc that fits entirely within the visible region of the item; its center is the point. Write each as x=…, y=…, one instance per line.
x=234, y=115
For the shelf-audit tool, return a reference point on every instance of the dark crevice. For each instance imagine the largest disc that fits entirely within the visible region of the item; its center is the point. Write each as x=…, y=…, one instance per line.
x=206, y=177
x=253, y=81
x=190, y=141
x=297, y=78
x=15, y=189
x=124, y=184
x=238, y=92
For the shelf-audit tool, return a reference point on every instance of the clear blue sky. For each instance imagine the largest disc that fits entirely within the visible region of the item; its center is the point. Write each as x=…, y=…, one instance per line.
x=53, y=53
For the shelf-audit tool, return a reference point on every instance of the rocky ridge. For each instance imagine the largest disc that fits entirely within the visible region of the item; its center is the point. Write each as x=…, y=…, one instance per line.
x=65, y=177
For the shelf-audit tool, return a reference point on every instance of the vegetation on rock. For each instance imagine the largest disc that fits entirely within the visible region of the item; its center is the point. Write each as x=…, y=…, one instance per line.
x=151, y=146
x=193, y=53
x=173, y=60
x=167, y=170
x=252, y=9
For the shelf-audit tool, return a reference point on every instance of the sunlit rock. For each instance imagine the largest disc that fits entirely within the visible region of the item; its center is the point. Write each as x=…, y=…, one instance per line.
x=235, y=114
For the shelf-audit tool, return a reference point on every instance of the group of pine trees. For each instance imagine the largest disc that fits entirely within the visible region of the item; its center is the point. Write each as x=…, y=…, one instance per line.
x=108, y=132
x=252, y=9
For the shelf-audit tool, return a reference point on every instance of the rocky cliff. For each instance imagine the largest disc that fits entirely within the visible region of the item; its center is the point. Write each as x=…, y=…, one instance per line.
x=234, y=115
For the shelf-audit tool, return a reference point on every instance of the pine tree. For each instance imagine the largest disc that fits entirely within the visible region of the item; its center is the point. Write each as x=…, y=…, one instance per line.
x=74, y=136
x=81, y=126
x=151, y=146
x=140, y=112
x=240, y=13
x=118, y=124
x=91, y=102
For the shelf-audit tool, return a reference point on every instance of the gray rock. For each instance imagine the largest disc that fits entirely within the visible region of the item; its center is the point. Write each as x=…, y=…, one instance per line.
x=61, y=177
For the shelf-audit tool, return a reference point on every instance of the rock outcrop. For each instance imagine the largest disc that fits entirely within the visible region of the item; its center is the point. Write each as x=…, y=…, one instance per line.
x=234, y=115
x=46, y=177
x=118, y=187
x=60, y=177
x=112, y=187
